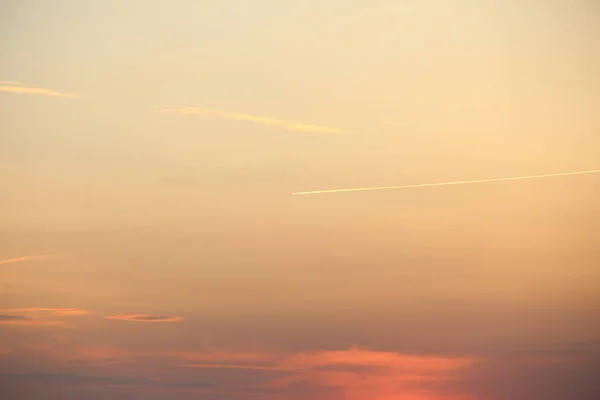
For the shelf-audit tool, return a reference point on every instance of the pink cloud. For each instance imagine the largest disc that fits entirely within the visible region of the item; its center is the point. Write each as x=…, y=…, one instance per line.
x=352, y=374
x=143, y=318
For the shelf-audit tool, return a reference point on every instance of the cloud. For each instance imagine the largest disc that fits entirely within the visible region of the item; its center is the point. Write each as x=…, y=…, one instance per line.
x=292, y=126
x=363, y=374
x=346, y=374
x=64, y=312
x=23, y=259
x=40, y=315
x=359, y=357
x=334, y=360
x=241, y=366
x=109, y=380
x=143, y=318
x=22, y=320
x=20, y=88
x=352, y=374
x=12, y=318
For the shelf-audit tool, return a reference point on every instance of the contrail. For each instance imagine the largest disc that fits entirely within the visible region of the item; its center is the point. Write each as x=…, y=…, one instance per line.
x=450, y=183
x=22, y=259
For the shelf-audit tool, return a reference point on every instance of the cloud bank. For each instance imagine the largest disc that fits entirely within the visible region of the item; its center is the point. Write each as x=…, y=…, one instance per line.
x=352, y=374
x=292, y=126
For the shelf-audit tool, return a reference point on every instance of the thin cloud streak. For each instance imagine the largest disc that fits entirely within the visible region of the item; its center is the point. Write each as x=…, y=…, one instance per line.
x=23, y=259
x=21, y=320
x=20, y=88
x=246, y=367
x=143, y=318
x=449, y=183
x=46, y=310
x=292, y=126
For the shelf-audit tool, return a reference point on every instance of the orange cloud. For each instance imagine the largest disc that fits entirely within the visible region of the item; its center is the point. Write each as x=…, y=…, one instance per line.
x=22, y=259
x=353, y=357
x=353, y=374
x=143, y=318
x=63, y=312
x=292, y=126
x=21, y=320
x=39, y=313
x=366, y=358
x=227, y=357
x=363, y=374
x=20, y=88
x=240, y=366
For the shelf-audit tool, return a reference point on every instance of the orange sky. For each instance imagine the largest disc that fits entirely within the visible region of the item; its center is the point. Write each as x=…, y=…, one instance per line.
x=150, y=247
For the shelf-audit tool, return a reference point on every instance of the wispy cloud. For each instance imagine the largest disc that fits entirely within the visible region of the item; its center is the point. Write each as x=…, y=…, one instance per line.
x=358, y=374
x=107, y=380
x=21, y=88
x=239, y=366
x=292, y=126
x=63, y=312
x=143, y=318
x=349, y=374
x=352, y=374
x=37, y=316
x=22, y=320
x=368, y=358
x=23, y=259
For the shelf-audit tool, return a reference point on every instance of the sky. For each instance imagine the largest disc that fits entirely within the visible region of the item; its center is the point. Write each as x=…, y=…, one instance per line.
x=151, y=247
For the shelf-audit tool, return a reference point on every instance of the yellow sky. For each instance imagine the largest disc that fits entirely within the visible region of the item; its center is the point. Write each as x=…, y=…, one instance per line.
x=151, y=252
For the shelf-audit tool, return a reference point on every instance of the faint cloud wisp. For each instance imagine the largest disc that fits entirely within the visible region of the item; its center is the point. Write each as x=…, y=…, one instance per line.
x=143, y=318
x=292, y=126
x=40, y=315
x=23, y=259
x=63, y=312
x=22, y=320
x=20, y=88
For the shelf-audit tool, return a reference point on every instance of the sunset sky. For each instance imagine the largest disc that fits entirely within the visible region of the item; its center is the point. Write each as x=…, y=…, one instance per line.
x=151, y=247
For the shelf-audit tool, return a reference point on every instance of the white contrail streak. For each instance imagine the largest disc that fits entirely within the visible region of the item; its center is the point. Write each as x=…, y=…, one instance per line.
x=450, y=183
